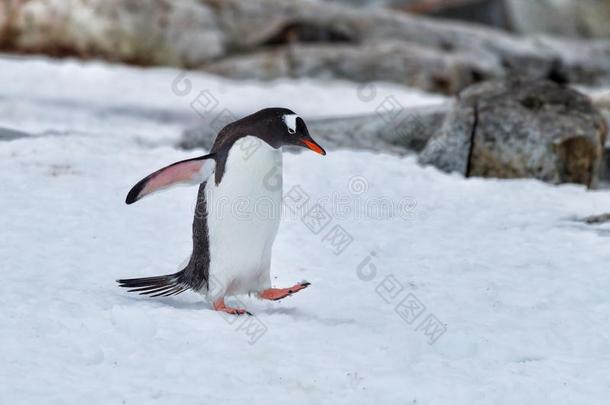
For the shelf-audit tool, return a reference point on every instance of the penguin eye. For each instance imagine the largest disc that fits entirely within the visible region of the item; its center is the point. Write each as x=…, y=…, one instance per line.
x=292, y=131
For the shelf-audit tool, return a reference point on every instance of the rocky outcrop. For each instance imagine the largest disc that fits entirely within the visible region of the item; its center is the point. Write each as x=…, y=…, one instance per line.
x=597, y=219
x=380, y=45
x=601, y=100
x=271, y=38
x=449, y=148
x=573, y=18
x=406, y=63
x=521, y=129
x=582, y=18
x=489, y=12
x=148, y=32
x=7, y=134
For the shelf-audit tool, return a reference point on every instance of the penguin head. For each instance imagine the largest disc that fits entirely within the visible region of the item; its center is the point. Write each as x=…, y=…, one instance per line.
x=282, y=127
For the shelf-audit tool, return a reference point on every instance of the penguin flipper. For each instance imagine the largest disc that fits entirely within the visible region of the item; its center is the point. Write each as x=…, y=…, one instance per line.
x=189, y=171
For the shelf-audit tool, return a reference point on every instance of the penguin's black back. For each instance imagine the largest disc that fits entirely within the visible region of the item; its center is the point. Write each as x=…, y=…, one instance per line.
x=197, y=271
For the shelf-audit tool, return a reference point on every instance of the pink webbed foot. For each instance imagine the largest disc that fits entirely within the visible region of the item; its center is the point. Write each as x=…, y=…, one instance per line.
x=275, y=294
x=219, y=305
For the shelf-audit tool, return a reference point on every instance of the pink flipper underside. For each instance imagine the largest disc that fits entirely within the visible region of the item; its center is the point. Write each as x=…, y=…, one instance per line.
x=186, y=172
x=191, y=171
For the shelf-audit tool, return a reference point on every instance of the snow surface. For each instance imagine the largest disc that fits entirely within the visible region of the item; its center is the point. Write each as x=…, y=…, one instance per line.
x=520, y=286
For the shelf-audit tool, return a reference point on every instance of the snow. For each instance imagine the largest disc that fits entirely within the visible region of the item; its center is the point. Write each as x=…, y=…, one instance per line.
x=520, y=286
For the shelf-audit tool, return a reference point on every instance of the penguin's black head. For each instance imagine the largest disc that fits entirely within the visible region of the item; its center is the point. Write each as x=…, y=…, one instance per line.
x=282, y=127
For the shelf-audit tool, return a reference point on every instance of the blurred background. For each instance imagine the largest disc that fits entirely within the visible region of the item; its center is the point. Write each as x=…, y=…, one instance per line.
x=428, y=51
x=468, y=171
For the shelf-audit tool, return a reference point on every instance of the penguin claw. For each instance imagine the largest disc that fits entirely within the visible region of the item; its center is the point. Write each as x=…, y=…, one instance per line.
x=235, y=311
x=219, y=305
x=276, y=294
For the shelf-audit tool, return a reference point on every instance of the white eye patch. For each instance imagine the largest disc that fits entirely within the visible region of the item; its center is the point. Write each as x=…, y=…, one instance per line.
x=291, y=122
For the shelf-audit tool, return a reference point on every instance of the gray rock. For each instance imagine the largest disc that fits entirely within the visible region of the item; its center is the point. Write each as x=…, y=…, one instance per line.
x=449, y=148
x=277, y=30
x=582, y=18
x=601, y=101
x=597, y=219
x=374, y=3
x=604, y=169
x=488, y=12
x=150, y=32
x=400, y=133
x=271, y=38
x=521, y=129
x=406, y=63
x=7, y=134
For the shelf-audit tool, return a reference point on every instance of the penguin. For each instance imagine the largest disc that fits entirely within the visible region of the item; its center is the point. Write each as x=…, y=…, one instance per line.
x=231, y=251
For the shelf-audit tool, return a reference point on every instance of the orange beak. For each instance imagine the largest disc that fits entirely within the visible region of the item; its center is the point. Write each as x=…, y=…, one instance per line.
x=311, y=144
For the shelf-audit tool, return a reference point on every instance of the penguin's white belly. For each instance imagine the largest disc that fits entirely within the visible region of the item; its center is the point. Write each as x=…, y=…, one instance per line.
x=243, y=218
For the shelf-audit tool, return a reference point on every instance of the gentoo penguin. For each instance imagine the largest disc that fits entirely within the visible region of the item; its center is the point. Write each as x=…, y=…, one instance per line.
x=231, y=252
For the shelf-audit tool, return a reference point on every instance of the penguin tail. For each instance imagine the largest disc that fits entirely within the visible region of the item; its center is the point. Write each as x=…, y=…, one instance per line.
x=160, y=286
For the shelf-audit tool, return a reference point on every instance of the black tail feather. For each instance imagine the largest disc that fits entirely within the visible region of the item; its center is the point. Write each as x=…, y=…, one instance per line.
x=161, y=286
